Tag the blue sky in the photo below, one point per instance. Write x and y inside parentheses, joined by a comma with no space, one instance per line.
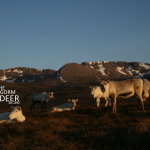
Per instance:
(46,34)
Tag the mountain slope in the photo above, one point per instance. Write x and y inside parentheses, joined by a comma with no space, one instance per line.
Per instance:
(119,70)
(75,72)
(23,74)
(79,72)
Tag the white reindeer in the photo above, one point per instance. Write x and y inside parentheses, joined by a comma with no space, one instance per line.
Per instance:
(14,116)
(97,93)
(123,89)
(41,98)
(64,107)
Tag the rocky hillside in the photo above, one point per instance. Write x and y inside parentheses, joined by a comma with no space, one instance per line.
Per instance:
(119,70)
(79,72)
(22,74)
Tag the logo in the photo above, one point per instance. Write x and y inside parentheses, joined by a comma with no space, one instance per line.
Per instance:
(8,96)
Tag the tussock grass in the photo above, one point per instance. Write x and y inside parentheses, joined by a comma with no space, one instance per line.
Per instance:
(85,128)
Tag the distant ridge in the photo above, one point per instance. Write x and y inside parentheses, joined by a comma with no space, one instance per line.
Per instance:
(24,74)
(118,70)
(73,72)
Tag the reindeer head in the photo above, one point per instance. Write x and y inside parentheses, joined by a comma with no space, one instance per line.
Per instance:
(96,91)
(73,101)
(103,83)
(15,113)
(51,95)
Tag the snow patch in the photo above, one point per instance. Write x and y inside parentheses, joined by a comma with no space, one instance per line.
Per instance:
(11,80)
(137,71)
(92,67)
(106,61)
(90,63)
(131,70)
(23,79)
(31,80)
(4,78)
(101,69)
(139,76)
(19,71)
(61,79)
(8,70)
(41,76)
(39,69)
(57,74)
(142,75)
(119,69)
(144,65)
(99,62)
(94,62)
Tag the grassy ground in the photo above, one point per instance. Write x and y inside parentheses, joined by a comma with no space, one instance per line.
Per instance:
(87,127)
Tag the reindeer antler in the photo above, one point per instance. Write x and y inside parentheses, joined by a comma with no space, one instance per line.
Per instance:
(107,75)
(95,75)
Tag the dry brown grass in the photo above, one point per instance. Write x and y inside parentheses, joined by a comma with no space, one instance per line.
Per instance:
(87,127)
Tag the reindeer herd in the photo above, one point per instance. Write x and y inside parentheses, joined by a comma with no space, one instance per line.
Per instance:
(109,90)
(140,88)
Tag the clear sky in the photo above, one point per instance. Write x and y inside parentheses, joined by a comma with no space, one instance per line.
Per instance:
(47,34)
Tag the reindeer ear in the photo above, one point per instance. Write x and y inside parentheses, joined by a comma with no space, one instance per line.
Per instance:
(69,100)
(108,81)
(19,108)
(76,100)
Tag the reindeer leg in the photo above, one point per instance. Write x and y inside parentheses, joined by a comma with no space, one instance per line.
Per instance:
(33,106)
(139,92)
(98,102)
(42,106)
(145,96)
(114,104)
(45,105)
(141,102)
(127,96)
(109,100)
(106,102)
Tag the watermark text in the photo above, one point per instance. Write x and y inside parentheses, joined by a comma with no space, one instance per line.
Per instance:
(12,98)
